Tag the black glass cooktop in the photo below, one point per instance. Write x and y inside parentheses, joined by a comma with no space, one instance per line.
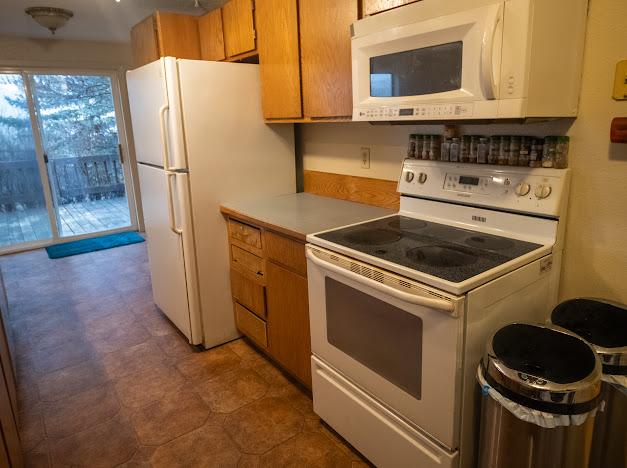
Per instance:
(447,252)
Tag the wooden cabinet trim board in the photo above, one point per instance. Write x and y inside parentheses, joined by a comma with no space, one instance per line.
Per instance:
(371,7)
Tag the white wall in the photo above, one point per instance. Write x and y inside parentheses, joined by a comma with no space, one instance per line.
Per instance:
(596,243)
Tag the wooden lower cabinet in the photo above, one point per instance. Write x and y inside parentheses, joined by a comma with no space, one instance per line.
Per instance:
(269,289)
(289,340)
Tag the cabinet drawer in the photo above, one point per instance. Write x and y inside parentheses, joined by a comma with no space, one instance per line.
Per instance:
(287,252)
(244,233)
(248,293)
(247,263)
(251,325)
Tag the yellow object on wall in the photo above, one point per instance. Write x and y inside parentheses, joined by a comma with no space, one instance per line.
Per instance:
(620,81)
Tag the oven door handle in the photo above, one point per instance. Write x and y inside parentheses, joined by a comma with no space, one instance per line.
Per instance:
(431,302)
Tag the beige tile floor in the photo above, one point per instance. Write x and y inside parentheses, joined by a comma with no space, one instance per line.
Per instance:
(105,380)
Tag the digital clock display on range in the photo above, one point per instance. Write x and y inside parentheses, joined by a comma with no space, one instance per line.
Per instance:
(468,180)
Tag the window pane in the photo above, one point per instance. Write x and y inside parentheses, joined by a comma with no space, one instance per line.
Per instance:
(23,213)
(80,137)
(415,72)
(384,338)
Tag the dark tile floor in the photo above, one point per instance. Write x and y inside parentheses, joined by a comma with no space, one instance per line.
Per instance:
(105,380)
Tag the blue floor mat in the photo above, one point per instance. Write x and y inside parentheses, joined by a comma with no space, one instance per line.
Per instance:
(91,245)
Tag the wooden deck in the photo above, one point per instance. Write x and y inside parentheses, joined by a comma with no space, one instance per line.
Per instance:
(20,226)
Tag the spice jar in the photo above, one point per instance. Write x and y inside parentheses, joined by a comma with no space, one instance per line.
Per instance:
(514,151)
(525,149)
(445,150)
(411,147)
(561,152)
(535,155)
(454,152)
(548,152)
(503,151)
(474,142)
(424,152)
(494,149)
(464,150)
(434,147)
(482,150)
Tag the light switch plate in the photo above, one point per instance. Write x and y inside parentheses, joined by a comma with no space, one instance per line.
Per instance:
(620,81)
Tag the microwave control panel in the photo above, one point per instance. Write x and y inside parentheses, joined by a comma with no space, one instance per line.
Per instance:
(419,112)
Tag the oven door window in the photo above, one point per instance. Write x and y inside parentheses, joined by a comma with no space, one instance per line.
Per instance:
(430,70)
(380,336)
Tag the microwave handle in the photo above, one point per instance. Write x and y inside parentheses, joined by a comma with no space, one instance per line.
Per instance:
(431,302)
(488,79)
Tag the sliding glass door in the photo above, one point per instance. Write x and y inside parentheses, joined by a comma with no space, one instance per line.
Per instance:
(60,135)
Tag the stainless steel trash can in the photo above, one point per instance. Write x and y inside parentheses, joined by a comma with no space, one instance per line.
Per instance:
(604,325)
(541,386)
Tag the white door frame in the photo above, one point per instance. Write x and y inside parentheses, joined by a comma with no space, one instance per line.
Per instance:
(123,138)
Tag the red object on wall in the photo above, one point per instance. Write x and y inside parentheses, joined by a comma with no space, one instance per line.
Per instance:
(618,130)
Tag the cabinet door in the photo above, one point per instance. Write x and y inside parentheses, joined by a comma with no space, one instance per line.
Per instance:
(277,43)
(144,42)
(239,28)
(325,48)
(371,7)
(178,35)
(211,36)
(288,321)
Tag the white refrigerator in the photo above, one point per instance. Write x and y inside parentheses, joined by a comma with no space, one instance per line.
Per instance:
(200,139)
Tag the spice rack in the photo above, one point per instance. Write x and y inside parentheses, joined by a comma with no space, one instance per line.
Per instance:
(502,150)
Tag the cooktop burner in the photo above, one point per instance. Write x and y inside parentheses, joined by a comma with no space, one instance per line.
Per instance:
(442,256)
(373,236)
(440,250)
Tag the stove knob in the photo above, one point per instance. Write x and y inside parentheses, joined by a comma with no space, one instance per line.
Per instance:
(523,189)
(422,178)
(542,191)
(409,176)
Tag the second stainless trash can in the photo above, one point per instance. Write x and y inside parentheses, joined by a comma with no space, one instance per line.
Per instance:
(541,387)
(604,325)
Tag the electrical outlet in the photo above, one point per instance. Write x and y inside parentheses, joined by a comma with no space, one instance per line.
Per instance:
(365,157)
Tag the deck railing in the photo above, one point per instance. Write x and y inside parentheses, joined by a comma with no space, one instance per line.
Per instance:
(72,179)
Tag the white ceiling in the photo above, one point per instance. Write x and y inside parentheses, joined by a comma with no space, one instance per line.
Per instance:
(96,20)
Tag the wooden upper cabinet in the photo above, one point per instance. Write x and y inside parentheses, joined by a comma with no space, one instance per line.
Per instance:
(370,7)
(177,35)
(325,48)
(211,36)
(165,35)
(144,42)
(277,31)
(239,27)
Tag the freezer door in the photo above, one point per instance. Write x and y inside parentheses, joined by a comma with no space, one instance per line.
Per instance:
(165,248)
(154,98)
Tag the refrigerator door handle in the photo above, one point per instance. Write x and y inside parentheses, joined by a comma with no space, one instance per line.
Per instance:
(164,137)
(171,214)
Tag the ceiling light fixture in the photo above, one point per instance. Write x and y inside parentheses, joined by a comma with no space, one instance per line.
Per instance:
(49,17)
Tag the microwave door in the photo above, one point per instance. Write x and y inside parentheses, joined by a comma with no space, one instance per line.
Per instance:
(448,59)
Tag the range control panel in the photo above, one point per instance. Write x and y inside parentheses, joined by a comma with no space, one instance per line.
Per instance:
(522,189)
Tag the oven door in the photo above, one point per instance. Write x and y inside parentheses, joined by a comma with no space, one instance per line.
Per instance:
(449,59)
(397,340)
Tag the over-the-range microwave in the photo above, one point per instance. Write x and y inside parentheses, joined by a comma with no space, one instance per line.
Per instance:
(469,59)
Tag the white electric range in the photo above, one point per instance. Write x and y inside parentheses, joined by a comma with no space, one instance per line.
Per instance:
(401,306)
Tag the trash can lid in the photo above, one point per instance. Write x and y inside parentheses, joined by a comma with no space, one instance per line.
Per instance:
(603,324)
(543,367)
